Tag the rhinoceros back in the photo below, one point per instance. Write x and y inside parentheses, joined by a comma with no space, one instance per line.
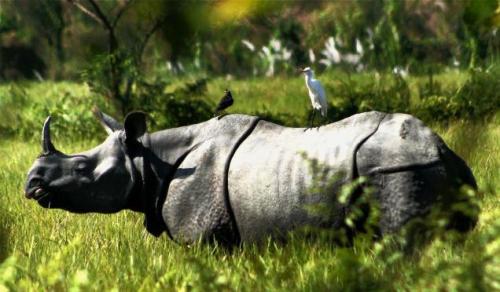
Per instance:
(271,182)
(247,178)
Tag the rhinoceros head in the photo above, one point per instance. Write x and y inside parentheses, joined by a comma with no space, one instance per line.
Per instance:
(98,180)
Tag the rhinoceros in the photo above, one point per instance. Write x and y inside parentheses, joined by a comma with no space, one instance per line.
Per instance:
(239,178)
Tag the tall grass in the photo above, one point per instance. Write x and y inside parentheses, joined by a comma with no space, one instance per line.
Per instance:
(53,250)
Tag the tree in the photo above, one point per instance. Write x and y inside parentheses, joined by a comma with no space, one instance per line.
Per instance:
(121,56)
(39,21)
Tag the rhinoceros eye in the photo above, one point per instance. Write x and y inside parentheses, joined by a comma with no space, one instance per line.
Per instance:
(81,166)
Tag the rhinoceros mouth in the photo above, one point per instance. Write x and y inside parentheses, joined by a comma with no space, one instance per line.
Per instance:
(37,193)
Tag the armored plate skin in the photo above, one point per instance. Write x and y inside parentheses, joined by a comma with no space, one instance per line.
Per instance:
(412,168)
(279,160)
(238,178)
(400,156)
(270,183)
(196,203)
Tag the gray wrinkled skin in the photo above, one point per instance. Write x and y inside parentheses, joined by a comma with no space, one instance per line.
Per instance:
(238,178)
(279,159)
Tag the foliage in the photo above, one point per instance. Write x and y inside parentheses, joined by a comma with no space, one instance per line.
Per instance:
(174,108)
(388,93)
(475,98)
(208,36)
(443,97)
(115,73)
(69,108)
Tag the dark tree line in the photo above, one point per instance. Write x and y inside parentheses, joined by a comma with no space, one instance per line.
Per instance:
(112,44)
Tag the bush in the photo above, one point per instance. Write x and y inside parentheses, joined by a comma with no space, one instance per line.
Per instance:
(384,92)
(26,107)
(70,107)
(479,96)
(175,108)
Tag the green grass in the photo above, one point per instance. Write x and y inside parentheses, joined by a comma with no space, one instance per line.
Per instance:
(54,250)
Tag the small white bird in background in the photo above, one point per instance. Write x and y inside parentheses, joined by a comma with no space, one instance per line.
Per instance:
(317,95)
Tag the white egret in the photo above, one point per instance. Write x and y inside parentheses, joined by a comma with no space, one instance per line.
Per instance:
(316,93)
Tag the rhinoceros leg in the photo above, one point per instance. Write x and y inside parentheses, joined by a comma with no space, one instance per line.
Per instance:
(406,194)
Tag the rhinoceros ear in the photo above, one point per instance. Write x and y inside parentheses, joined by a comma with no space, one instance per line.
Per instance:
(135,125)
(109,124)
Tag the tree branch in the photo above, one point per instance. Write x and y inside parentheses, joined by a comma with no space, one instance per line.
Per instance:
(86,11)
(121,11)
(101,15)
(145,41)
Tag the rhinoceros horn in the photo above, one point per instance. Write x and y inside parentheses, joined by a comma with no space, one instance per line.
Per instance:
(47,146)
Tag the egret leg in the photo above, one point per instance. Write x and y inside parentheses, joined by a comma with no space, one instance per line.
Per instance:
(309,117)
(312,119)
(324,119)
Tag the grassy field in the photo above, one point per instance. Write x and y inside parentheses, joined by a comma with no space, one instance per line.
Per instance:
(55,250)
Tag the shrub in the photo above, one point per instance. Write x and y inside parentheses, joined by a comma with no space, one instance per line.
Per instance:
(27,106)
(479,96)
(175,108)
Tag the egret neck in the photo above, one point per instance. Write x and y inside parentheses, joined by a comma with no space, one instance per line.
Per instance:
(308,77)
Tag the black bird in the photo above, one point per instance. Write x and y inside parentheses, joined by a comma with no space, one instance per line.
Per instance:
(225,102)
